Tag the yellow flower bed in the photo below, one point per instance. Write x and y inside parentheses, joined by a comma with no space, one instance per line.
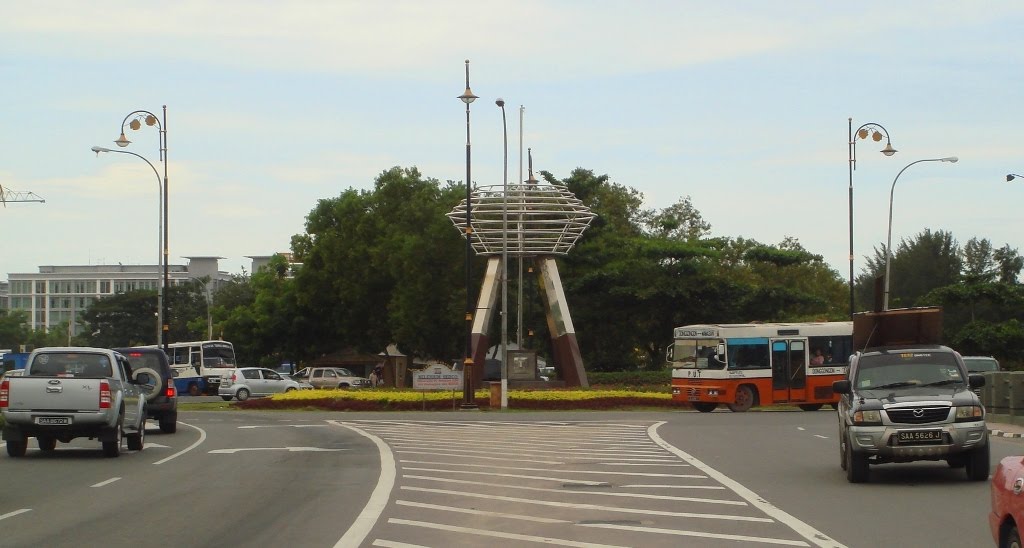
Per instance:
(396,395)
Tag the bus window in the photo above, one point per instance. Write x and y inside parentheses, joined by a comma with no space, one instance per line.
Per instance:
(835,348)
(748,354)
(696,354)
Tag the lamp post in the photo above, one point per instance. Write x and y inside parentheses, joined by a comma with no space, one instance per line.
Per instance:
(159,234)
(504,260)
(136,118)
(468,390)
(888,240)
(876,131)
(1012,176)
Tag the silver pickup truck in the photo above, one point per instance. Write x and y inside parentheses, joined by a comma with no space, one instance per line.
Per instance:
(74,392)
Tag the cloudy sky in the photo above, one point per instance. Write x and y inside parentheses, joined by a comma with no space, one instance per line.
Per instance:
(741,105)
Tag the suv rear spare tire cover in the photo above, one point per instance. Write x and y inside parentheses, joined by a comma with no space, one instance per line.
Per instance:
(151,390)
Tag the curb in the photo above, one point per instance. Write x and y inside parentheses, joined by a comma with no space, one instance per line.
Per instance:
(1005,434)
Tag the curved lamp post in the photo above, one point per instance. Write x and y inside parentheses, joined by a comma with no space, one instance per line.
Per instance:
(1012,176)
(468,389)
(134,121)
(159,235)
(504,261)
(876,131)
(888,241)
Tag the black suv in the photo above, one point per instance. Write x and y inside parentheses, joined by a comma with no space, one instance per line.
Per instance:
(161,397)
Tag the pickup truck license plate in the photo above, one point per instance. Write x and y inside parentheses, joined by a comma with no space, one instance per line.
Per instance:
(919,436)
(53,421)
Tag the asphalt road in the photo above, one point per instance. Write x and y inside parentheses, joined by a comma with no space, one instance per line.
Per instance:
(232,478)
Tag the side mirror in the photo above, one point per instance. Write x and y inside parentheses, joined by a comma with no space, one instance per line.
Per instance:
(976,381)
(721,353)
(841,387)
(668,352)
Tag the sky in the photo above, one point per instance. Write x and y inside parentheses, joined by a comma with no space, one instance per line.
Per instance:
(742,106)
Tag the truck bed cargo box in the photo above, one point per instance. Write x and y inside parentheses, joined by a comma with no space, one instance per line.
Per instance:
(901,326)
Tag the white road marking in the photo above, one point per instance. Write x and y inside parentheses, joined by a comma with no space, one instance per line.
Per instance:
(107,482)
(202,438)
(289,449)
(638,464)
(459,455)
(498,534)
(14,513)
(587,455)
(587,493)
(280,425)
(378,499)
(478,512)
(154,446)
(520,476)
(460,466)
(820,436)
(801,428)
(393,544)
(805,530)
(663,486)
(744,538)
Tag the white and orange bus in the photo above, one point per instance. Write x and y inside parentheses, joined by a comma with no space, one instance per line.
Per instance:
(743,365)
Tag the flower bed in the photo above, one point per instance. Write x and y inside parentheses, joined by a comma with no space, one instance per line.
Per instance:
(410,400)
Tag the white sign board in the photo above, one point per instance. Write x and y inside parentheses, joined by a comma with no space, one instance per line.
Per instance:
(437,377)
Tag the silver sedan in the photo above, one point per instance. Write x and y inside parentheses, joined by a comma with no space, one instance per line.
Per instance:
(245,382)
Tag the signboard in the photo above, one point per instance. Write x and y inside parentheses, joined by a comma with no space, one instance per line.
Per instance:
(437,377)
(522,365)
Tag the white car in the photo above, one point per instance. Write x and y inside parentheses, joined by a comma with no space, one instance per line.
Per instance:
(245,382)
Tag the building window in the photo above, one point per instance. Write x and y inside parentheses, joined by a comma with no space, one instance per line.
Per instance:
(40,287)
(104,286)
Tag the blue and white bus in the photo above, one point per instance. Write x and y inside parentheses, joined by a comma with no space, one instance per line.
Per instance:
(199,365)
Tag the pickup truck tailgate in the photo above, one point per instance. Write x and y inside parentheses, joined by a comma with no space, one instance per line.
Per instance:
(54,394)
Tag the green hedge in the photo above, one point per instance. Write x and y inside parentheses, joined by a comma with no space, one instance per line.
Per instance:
(650,380)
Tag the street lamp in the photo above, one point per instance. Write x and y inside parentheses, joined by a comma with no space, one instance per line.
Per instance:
(159,234)
(888,241)
(134,121)
(1012,176)
(504,261)
(468,390)
(876,131)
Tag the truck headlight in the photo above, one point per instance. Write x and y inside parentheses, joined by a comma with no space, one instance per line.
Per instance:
(867,418)
(969,413)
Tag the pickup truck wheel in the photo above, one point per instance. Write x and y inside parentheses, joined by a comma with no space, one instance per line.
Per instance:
(842,452)
(47,443)
(226,398)
(705,406)
(242,394)
(137,441)
(744,399)
(16,448)
(856,465)
(112,449)
(978,462)
(169,423)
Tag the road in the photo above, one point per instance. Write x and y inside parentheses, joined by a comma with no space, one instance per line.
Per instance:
(592,479)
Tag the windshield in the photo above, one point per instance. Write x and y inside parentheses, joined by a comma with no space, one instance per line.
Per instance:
(904,370)
(696,353)
(218,355)
(980,365)
(71,364)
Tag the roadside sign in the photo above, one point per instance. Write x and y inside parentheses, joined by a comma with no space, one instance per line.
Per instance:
(437,377)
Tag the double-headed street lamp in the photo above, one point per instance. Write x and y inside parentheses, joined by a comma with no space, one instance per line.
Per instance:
(468,389)
(134,121)
(1012,176)
(888,241)
(159,235)
(876,131)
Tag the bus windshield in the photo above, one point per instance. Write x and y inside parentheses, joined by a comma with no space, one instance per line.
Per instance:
(696,354)
(220,355)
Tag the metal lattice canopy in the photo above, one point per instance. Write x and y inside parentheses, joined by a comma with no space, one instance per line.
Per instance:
(543,219)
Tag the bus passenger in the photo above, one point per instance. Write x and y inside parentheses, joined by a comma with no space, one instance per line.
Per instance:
(818,358)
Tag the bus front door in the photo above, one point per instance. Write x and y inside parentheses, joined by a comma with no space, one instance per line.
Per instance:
(789,370)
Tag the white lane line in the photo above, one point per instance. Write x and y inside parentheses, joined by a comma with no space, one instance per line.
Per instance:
(498,534)
(393,544)
(820,436)
(565,445)
(378,499)
(520,476)
(478,512)
(658,456)
(284,425)
(107,482)
(805,530)
(640,464)
(663,486)
(154,446)
(477,457)
(701,534)
(289,449)
(587,493)
(801,428)
(460,466)
(586,506)
(14,513)
(202,438)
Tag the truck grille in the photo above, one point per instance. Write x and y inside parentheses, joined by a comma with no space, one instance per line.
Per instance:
(918,415)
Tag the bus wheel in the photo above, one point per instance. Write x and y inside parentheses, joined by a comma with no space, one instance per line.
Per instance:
(193,389)
(810,406)
(704,406)
(744,399)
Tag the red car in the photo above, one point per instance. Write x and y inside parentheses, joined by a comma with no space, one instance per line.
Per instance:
(1007,516)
